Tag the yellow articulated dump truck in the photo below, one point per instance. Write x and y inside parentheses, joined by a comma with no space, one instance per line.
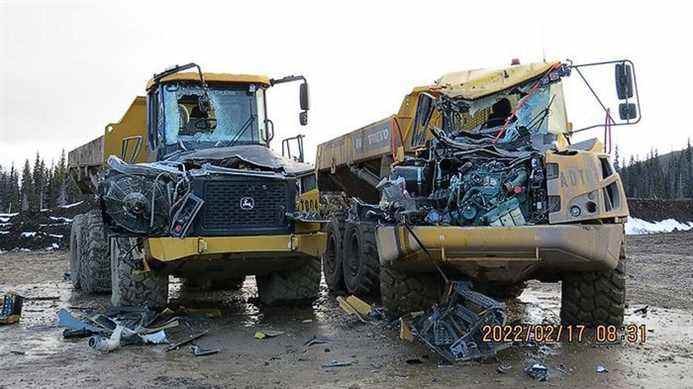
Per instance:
(478,178)
(187,185)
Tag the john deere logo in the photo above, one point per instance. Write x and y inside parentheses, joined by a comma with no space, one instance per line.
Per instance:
(247,203)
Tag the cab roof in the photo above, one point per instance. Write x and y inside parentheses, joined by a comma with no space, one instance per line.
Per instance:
(473,84)
(215,78)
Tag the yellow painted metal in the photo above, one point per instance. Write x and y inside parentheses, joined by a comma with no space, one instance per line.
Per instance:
(216,78)
(308,202)
(473,84)
(170,249)
(132,125)
(583,182)
(597,245)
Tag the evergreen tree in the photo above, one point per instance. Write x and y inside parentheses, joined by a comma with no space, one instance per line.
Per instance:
(28,195)
(39,179)
(13,191)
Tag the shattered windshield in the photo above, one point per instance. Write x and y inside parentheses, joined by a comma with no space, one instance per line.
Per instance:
(232,115)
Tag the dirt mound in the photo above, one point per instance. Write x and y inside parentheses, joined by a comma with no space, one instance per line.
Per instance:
(657,210)
(38,230)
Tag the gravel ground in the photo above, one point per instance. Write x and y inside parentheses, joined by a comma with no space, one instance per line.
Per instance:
(33,353)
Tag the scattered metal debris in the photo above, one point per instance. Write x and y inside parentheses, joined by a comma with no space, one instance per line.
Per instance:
(316,340)
(267,334)
(186,341)
(642,310)
(454,328)
(200,352)
(503,368)
(538,371)
(104,344)
(11,310)
(336,363)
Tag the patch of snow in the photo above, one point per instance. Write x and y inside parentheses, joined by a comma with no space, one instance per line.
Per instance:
(60,219)
(4,219)
(635,226)
(4,232)
(30,234)
(24,250)
(53,246)
(71,205)
(8,214)
(56,236)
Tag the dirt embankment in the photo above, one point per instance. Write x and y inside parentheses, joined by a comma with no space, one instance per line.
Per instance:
(656,210)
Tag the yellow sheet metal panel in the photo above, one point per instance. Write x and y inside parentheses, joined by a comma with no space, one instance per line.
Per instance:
(368,142)
(211,78)
(88,154)
(585,180)
(169,249)
(449,244)
(132,125)
(473,84)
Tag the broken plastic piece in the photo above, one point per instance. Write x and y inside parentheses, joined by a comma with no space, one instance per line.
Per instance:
(11,309)
(65,319)
(158,337)
(602,369)
(186,341)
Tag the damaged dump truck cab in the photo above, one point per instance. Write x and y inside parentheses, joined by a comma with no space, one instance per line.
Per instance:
(187,185)
(478,178)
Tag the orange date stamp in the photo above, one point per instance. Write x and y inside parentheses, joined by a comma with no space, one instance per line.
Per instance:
(549,333)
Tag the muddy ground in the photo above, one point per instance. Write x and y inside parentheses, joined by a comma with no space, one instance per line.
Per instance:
(33,353)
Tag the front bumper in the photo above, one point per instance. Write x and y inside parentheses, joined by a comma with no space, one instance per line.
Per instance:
(171,249)
(506,254)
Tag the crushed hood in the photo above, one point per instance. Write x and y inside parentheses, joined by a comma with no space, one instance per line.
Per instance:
(259,156)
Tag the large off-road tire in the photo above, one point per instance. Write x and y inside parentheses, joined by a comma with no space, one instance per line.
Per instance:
(360,262)
(594,298)
(75,244)
(95,263)
(403,293)
(300,285)
(131,285)
(332,258)
(501,292)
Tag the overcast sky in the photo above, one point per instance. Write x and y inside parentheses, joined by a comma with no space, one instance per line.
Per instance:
(70,67)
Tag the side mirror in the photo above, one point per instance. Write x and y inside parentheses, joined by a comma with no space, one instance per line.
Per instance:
(627,111)
(305,101)
(624,81)
(269,131)
(303,118)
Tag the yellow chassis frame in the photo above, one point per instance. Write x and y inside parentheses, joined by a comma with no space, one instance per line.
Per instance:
(171,249)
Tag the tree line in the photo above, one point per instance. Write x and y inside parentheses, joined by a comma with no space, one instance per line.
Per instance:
(668,176)
(37,186)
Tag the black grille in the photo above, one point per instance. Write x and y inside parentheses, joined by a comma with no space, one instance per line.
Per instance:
(243,204)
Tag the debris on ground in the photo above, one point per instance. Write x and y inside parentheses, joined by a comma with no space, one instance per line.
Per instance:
(336,363)
(602,369)
(316,340)
(11,310)
(200,352)
(123,326)
(454,328)
(267,334)
(503,368)
(104,344)
(353,305)
(191,339)
(538,371)
(642,310)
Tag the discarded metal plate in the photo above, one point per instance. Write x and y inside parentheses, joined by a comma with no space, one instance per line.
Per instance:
(355,306)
